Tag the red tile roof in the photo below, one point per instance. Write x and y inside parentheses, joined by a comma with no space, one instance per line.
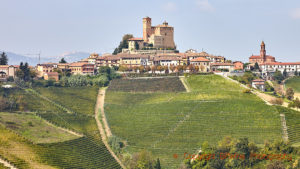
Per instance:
(258,57)
(282,63)
(200,59)
(79,64)
(258,80)
(222,64)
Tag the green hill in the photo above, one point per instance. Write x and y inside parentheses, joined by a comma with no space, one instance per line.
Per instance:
(293,83)
(168,123)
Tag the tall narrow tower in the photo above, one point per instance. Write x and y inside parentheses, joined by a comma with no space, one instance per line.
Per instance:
(263,50)
(146,28)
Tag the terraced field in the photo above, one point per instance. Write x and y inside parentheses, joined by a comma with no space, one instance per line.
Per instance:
(84,152)
(171,123)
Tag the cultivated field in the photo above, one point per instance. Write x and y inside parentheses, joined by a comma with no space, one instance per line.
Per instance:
(293,83)
(84,152)
(170,84)
(168,123)
(34,128)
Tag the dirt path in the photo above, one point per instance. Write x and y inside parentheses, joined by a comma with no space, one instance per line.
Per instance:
(100,109)
(183,80)
(265,97)
(7,164)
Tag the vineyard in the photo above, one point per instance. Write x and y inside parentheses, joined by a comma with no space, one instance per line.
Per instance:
(168,123)
(293,124)
(293,83)
(84,152)
(169,84)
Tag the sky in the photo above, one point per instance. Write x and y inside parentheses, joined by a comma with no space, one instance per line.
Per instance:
(231,28)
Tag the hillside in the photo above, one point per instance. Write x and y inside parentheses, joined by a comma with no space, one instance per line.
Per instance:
(87,151)
(168,123)
(293,83)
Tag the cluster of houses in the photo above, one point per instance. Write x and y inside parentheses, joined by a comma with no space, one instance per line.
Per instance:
(90,65)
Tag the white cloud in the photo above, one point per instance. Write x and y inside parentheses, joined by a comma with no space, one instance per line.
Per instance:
(204,5)
(170,7)
(295,13)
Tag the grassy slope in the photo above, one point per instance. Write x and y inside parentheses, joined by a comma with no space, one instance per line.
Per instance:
(85,152)
(174,123)
(293,83)
(34,128)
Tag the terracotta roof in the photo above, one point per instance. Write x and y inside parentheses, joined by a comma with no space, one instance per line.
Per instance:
(200,59)
(124,55)
(136,39)
(77,64)
(112,57)
(173,58)
(52,73)
(4,66)
(222,64)
(258,80)
(258,57)
(282,63)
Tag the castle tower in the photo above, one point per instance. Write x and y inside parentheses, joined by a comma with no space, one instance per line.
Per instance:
(146,28)
(263,50)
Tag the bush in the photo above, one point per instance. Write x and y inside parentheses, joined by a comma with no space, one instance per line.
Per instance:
(116,144)
(100,81)
(247,91)
(277,101)
(295,103)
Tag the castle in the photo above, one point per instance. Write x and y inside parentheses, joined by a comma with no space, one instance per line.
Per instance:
(158,37)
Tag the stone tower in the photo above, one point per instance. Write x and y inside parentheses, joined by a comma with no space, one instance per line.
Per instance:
(263,50)
(147,31)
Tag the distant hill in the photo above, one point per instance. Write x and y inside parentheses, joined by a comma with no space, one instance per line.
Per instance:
(15,59)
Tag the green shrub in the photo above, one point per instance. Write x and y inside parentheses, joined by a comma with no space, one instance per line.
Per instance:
(247,91)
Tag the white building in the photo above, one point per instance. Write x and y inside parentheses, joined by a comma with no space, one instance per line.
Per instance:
(290,67)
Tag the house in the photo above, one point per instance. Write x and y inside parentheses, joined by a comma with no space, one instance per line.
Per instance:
(45,68)
(7,71)
(51,75)
(112,60)
(134,60)
(93,58)
(259,84)
(238,65)
(82,68)
(222,67)
(167,60)
(202,63)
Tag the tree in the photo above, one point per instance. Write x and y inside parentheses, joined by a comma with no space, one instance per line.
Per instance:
(296,73)
(157,164)
(142,160)
(62,60)
(295,103)
(290,93)
(3,59)
(123,44)
(256,66)
(24,72)
(141,69)
(278,76)
(284,73)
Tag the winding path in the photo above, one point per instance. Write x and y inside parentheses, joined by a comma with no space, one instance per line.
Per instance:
(99,110)
(7,164)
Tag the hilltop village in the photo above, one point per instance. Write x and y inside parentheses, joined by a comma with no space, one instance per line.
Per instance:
(156,53)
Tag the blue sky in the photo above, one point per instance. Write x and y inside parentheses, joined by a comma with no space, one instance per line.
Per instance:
(232,28)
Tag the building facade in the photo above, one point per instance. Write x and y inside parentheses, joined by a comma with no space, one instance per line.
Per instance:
(263,57)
